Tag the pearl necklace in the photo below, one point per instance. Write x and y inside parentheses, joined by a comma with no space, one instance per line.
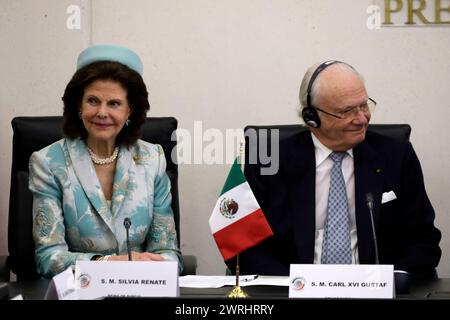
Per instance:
(101,161)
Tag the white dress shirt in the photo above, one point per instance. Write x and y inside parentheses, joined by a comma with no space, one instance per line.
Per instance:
(323,172)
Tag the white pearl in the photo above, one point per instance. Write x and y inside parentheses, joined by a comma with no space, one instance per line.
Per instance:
(101,161)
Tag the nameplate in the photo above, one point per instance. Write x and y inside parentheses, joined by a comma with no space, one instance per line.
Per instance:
(119,279)
(62,287)
(341,281)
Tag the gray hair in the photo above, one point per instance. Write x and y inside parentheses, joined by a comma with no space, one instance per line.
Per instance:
(315,88)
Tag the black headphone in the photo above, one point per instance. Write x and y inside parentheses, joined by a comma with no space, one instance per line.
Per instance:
(309,113)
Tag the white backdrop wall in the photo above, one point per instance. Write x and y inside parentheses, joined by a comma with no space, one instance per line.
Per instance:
(229,64)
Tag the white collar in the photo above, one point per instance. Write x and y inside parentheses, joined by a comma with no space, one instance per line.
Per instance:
(322,152)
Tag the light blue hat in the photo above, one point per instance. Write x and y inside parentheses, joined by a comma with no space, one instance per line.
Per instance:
(110,52)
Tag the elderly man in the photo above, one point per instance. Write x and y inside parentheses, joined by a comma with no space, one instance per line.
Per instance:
(318,202)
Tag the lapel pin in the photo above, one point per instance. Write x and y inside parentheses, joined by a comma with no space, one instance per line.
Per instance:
(378,170)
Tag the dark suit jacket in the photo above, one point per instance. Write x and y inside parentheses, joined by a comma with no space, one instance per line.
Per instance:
(406,234)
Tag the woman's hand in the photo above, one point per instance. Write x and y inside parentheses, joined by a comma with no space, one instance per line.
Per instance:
(138,256)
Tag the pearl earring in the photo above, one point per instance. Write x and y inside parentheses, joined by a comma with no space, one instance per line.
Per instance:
(127,123)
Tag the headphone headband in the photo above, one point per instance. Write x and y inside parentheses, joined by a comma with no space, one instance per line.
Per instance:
(309,113)
(316,72)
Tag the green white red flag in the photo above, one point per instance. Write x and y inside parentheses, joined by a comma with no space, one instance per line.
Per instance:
(237,222)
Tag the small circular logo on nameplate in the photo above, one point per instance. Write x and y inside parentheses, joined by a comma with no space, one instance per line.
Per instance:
(84,280)
(298,283)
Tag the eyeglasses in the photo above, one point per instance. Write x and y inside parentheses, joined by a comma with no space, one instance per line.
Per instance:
(349,112)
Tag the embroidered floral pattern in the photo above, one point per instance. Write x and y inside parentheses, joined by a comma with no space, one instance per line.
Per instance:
(72,220)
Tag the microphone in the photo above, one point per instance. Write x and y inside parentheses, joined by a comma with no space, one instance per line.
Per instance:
(127,224)
(402,279)
(369,202)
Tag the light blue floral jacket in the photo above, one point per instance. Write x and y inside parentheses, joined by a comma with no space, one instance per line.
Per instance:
(71,218)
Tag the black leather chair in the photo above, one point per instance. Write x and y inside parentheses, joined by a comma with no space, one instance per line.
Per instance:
(260,136)
(34,133)
(253,135)
(397,131)
(254,141)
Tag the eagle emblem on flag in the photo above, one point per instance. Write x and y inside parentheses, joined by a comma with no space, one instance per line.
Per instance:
(228,208)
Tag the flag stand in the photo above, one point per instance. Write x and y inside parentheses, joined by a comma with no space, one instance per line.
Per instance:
(237,291)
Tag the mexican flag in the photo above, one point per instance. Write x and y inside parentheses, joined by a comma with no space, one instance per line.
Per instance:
(237,222)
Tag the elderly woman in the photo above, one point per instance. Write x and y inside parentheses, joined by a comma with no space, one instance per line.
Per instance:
(85,185)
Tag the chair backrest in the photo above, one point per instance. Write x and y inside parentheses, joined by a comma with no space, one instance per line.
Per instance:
(34,133)
(252,146)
